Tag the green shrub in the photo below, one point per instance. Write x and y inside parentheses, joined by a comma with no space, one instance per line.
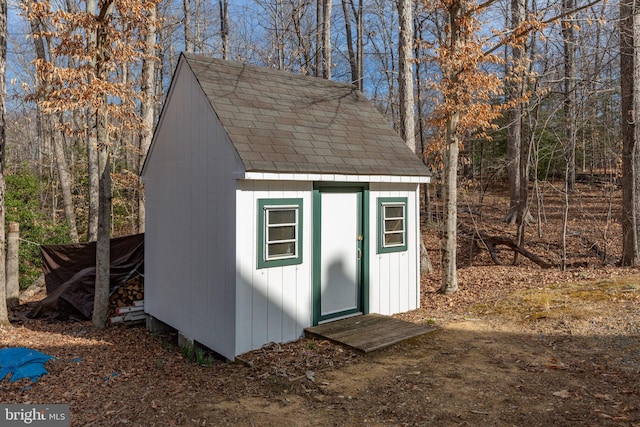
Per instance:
(23,205)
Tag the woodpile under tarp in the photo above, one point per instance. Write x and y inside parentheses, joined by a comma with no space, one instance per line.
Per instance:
(128,293)
(70,272)
(127,301)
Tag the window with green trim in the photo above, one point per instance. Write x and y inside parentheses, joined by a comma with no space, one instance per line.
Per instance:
(392,224)
(279,232)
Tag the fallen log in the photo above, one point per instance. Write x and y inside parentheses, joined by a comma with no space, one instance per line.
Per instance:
(491,243)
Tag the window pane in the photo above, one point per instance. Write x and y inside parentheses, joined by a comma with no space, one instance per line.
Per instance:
(282,216)
(393,212)
(394,239)
(393,225)
(279,237)
(277,250)
(282,233)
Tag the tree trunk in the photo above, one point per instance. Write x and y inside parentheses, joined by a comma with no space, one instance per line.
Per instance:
(12,272)
(418,29)
(405,75)
(197,27)
(92,152)
(630,103)
(65,184)
(419,85)
(565,222)
(425,262)
(93,181)
(103,256)
(224,28)
(452,149)
(279,44)
(349,34)
(514,134)
(570,98)
(4,316)
(188,36)
(450,211)
(318,50)
(360,46)
(147,107)
(326,39)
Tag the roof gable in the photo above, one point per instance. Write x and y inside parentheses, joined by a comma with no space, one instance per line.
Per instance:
(285,123)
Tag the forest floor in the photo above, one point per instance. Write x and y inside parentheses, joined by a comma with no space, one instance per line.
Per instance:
(516,345)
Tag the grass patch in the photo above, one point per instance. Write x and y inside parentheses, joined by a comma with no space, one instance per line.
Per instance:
(578,300)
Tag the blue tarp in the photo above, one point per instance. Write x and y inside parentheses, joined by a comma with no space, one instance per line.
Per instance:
(21,363)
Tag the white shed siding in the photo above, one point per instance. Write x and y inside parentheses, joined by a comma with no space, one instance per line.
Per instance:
(394,278)
(190,238)
(272,304)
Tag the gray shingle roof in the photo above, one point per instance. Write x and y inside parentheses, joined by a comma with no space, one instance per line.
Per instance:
(286,123)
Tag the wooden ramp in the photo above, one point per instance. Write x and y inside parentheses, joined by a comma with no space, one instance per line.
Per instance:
(368,332)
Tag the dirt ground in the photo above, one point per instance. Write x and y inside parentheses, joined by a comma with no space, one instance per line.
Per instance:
(517,345)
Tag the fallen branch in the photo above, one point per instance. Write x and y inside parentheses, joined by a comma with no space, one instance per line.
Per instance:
(491,243)
(602,255)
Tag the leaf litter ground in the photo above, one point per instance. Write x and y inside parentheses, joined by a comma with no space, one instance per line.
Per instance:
(517,345)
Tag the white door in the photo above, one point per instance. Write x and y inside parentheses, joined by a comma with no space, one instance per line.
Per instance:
(340,255)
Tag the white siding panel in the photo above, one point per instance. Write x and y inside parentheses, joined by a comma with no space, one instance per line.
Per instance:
(275,309)
(190,238)
(394,277)
(395,283)
(245,233)
(277,300)
(384,277)
(404,276)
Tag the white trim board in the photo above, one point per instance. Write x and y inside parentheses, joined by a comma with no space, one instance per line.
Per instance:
(271,176)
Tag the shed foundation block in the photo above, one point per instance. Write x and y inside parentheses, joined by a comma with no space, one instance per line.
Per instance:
(156,326)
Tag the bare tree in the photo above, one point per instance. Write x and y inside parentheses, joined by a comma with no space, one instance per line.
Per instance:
(456,11)
(570,96)
(103,243)
(358,12)
(382,27)
(405,75)
(92,146)
(353,12)
(188,33)
(111,97)
(147,105)
(49,131)
(630,94)
(353,65)
(4,318)
(326,39)
(290,29)
(224,27)
(467,88)
(514,133)
(319,26)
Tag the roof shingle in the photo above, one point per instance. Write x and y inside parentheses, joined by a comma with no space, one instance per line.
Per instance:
(286,123)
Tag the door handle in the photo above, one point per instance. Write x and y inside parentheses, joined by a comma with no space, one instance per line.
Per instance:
(359,253)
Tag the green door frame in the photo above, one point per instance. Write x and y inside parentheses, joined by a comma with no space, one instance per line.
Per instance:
(363,224)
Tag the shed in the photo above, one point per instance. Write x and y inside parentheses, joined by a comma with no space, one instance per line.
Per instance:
(275,202)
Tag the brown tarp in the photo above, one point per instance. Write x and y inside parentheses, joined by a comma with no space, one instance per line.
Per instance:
(70,274)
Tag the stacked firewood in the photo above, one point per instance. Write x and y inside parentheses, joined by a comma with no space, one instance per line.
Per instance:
(129,292)
(127,302)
